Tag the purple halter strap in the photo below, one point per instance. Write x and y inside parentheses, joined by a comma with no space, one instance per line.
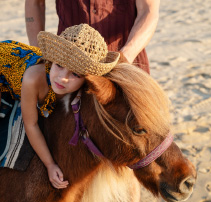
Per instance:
(153,155)
(81,131)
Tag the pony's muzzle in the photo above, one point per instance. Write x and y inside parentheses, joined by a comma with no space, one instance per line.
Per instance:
(183,192)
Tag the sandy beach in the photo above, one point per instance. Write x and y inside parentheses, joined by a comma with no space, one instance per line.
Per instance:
(180,60)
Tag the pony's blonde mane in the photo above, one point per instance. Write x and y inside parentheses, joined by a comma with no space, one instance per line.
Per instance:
(147,101)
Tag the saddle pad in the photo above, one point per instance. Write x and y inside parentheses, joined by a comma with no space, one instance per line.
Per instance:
(18,151)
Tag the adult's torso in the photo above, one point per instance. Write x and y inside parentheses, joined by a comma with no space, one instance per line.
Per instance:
(112,18)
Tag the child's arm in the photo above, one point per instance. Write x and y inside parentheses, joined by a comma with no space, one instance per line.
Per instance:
(29,98)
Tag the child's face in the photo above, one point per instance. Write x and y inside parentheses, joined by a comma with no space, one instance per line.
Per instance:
(64,81)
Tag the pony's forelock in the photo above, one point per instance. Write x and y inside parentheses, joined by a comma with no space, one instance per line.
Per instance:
(147,100)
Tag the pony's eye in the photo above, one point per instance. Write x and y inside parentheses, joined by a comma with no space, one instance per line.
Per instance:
(76,75)
(138,130)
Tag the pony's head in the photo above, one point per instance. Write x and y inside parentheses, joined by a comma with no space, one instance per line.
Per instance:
(134,110)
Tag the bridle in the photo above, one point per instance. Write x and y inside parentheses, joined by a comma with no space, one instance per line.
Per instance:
(82,133)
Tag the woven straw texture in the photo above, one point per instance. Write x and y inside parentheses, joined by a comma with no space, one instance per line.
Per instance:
(79,48)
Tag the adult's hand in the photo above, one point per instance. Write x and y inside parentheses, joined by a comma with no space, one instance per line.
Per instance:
(143,28)
(122,58)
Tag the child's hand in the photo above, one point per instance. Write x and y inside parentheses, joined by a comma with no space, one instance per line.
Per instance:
(56,176)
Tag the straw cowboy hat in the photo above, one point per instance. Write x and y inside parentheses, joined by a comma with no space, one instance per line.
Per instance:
(79,48)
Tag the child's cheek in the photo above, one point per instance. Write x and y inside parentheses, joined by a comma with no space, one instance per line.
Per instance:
(51,76)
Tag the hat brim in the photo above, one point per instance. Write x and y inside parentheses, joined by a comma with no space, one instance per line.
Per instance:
(65,53)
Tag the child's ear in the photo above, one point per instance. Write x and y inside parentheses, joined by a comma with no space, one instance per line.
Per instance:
(101,87)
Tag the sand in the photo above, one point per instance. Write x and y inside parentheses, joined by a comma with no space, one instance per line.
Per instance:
(180,60)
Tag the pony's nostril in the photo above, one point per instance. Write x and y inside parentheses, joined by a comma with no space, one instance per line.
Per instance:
(187,184)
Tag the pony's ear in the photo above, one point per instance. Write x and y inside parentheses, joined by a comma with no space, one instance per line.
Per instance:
(101,87)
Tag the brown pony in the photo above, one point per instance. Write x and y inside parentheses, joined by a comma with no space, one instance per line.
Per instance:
(127,115)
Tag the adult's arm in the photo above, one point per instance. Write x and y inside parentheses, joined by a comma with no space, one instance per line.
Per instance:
(35,19)
(143,28)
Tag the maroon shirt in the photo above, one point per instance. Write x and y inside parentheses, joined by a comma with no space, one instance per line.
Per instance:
(112,18)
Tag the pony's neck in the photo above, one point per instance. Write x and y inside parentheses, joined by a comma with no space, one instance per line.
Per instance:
(76,162)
